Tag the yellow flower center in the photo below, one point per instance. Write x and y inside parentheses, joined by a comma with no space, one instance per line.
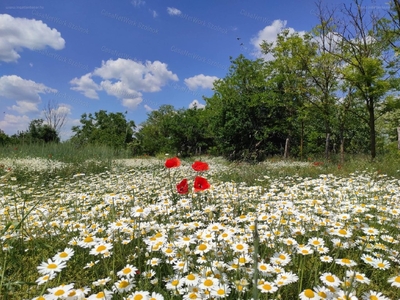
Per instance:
(51,266)
(309,293)
(175,282)
(126,270)
(322,295)
(239,247)
(208,282)
(267,287)
(202,247)
(59,292)
(191,277)
(101,248)
(138,297)
(343,231)
(88,239)
(346,260)
(330,278)
(123,284)
(100,295)
(221,292)
(63,254)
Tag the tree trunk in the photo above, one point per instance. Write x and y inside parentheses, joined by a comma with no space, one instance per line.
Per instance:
(328,136)
(372,133)
(286,154)
(342,150)
(398,138)
(301,140)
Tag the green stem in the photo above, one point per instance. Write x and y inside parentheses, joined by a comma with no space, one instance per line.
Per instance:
(256,240)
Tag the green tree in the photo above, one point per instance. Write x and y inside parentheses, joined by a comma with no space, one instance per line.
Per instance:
(39,131)
(190,132)
(110,129)
(4,138)
(369,67)
(289,82)
(245,120)
(154,135)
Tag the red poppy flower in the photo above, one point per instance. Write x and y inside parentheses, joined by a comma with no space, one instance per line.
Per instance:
(200,184)
(182,187)
(200,166)
(172,162)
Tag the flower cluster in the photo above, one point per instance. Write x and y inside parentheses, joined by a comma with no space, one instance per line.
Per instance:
(200,183)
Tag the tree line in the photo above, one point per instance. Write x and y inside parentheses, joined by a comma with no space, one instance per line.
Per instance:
(331,90)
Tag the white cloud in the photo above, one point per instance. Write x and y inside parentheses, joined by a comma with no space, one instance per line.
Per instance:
(24,107)
(24,92)
(173,11)
(138,3)
(19,33)
(154,13)
(66,131)
(197,104)
(125,79)
(86,85)
(201,80)
(269,34)
(148,108)
(11,124)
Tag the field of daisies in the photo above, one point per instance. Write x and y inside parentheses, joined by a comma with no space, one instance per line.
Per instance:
(173,229)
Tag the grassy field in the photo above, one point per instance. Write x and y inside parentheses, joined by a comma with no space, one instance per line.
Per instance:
(84,225)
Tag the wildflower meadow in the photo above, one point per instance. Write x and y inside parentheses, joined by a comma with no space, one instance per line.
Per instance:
(177,229)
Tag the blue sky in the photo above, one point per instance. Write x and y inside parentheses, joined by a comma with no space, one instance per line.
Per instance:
(128,55)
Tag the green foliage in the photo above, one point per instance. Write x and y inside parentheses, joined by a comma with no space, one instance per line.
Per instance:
(245,120)
(102,128)
(4,138)
(167,130)
(38,132)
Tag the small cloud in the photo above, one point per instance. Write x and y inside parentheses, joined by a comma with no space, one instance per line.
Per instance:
(154,13)
(138,3)
(148,108)
(173,11)
(196,104)
(270,34)
(31,64)
(201,80)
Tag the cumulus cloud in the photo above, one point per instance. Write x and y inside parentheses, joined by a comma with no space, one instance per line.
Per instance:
(125,79)
(19,33)
(201,80)
(269,34)
(197,104)
(13,123)
(86,86)
(173,11)
(25,93)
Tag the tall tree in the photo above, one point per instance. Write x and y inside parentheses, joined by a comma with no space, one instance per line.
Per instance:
(365,53)
(288,80)
(154,135)
(55,115)
(111,129)
(245,120)
(4,138)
